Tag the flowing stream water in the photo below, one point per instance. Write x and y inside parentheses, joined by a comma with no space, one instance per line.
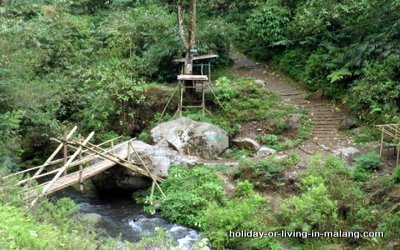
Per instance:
(121,216)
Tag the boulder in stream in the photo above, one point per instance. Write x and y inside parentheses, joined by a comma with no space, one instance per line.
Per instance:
(191,137)
(157,159)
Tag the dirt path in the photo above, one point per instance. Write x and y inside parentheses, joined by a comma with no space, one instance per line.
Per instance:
(325,117)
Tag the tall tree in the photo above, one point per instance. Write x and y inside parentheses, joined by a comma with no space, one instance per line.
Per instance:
(188,41)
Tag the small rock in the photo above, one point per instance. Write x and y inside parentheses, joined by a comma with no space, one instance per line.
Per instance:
(317,95)
(294,121)
(93,217)
(247,143)
(347,123)
(260,82)
(346,153)
(265,151)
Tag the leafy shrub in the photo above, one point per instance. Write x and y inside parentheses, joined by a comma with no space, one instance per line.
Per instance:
(238,214)
(244,188)
(263,174)
(312,210)
(188,193)
(268,23)
(224,89)
(369,161)
(268,140)
(391,225)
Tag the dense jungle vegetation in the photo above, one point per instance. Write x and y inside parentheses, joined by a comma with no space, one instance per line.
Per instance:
(103,65)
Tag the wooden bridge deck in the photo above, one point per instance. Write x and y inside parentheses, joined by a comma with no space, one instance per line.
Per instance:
(73,178)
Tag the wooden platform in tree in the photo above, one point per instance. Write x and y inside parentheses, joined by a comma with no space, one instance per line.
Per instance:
(192,78)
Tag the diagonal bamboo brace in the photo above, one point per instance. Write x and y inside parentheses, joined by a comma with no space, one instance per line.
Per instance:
(62,169)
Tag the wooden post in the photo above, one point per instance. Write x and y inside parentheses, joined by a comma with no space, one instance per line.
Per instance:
(203,97)
(381,142)
(47,162)
(398,154)
(65,151)
(209,73)
(80,167)
(181,99)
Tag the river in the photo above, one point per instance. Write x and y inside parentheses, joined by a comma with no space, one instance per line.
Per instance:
(121,216)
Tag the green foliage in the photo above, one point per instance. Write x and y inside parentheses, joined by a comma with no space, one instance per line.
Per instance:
(369,161)
(378,101)
(268,23)
(224,89)
(263,174)
(343,48)
(144,136)
(10,149)
(391,226)
(396,174)
(22,231)
(244,188)
(269,140)
(238,214)
(312,210)
(188,193)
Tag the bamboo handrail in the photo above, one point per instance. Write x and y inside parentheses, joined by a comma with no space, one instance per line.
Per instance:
(56,151)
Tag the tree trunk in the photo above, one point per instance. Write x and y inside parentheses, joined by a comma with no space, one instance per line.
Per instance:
(190,42)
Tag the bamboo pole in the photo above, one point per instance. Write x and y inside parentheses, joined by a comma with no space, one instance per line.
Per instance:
(181,99)
(62,169)
(80,168)
(118,160)
(84,160)
(152,193)
(147,169)
(382,135)
(169,100)
(65,151)
(55,152)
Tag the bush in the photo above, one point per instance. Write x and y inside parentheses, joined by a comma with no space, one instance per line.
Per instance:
(263,174)
(236,215)
(244,188)
(312,210)
(369,161)
(188,193)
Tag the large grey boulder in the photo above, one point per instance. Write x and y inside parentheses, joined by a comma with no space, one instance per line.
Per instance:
(247,143)
(157,159)
(191,137)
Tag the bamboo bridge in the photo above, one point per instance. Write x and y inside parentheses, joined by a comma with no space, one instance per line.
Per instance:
(87,161)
